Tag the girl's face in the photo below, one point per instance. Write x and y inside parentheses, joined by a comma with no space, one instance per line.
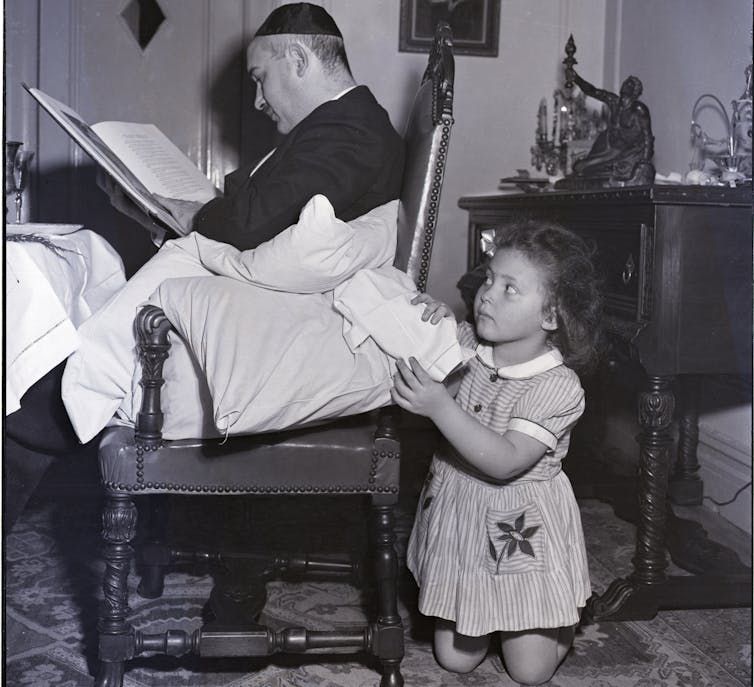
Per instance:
(509,308)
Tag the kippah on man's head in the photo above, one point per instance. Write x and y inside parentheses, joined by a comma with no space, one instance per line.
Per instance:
(299,18)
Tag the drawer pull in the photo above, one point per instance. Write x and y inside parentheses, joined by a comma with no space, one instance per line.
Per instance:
(628,269)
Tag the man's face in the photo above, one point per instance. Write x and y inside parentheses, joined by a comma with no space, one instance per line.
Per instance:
(273,76)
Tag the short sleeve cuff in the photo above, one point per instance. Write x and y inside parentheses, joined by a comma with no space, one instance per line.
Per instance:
(535,431)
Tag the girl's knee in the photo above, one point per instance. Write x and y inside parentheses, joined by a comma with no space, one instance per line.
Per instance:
(532,657)
(456,662)
(531,674)
(456,652)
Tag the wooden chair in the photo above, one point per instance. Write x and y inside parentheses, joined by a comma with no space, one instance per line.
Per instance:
(357,455)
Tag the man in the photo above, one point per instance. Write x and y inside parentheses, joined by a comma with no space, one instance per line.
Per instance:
(338,141)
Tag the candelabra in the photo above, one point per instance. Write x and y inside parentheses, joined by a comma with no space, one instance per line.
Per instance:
(731,155)
(572,125)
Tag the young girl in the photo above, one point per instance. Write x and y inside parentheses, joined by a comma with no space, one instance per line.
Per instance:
(497,544)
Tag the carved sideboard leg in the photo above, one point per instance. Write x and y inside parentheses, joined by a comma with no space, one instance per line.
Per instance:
(656,406)
(686,488)
(388,635)
(636,597)
(116,635)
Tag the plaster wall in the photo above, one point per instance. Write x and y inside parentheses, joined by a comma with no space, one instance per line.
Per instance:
(681,49)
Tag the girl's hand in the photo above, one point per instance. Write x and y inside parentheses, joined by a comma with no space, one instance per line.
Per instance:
(414,390)
(434,310)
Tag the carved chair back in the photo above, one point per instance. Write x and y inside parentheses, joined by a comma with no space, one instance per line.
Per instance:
(427,135)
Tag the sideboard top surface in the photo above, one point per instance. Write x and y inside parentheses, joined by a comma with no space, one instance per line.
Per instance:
(740,196)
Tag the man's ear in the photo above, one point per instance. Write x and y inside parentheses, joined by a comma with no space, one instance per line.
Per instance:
(550,319)
(299,58)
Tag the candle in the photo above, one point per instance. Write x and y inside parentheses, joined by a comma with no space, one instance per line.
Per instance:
(542,120)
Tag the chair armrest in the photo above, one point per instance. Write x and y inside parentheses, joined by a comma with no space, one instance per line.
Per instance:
(152,327)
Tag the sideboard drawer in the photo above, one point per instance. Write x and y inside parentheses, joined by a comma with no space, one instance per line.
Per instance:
(676,261)
(623,241)
(624,256)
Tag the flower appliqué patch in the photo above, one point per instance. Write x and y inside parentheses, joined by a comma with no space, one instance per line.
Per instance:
(515,541)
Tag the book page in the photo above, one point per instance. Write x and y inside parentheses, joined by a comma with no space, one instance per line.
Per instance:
(73,124)
(156,161)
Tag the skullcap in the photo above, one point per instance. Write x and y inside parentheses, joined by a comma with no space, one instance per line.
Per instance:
(301,18)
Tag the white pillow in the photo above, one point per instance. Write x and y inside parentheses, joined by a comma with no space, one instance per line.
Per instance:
(272,360)
(313,256)
(97,377)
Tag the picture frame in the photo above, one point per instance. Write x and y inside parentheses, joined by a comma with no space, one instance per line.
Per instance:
(475,25)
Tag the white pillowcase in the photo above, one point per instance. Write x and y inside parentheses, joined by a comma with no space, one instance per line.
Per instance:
(272,360)
(377,304)
(313,256)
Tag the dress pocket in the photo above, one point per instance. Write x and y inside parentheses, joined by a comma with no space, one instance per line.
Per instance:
(516,541)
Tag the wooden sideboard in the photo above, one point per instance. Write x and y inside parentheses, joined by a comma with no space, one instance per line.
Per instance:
(677,264)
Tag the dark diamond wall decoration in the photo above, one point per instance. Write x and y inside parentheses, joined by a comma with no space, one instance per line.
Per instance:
(143,18)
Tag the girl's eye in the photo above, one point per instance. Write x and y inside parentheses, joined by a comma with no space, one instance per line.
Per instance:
(509,288)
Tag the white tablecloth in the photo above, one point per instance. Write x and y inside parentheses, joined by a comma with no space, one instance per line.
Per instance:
(51,286)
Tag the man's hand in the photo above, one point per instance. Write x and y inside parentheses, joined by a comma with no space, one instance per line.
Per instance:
(414,390)
(120,201)
(184,211)
(434,310)
(123,204)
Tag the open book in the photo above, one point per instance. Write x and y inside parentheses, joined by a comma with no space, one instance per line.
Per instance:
(140,158)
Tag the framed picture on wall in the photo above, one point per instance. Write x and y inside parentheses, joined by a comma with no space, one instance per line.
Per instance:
(475,25)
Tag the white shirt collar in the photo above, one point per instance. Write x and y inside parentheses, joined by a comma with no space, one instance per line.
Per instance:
(530,368)
(343,92)
(266,157)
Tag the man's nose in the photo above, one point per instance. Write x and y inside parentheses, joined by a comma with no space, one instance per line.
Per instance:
(259,101)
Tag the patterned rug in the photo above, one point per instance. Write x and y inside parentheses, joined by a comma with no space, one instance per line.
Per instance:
(53,577)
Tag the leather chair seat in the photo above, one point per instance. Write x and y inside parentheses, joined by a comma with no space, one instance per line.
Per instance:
(300,462)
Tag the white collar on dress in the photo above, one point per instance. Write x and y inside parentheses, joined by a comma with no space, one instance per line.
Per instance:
(530,368)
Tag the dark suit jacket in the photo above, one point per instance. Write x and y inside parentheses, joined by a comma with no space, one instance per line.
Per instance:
(346,149)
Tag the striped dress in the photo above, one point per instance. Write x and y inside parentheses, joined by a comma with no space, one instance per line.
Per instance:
(504,556)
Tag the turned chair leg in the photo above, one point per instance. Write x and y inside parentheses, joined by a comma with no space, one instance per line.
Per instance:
(116,635)
(388,642)
(154,555)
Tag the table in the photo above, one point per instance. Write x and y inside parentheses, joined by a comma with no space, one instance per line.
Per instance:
(678,272)
(56,276)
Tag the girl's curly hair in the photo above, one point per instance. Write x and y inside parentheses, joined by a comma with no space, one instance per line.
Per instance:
(573,285)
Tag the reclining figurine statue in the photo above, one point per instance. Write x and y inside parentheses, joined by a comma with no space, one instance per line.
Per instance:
(621,154)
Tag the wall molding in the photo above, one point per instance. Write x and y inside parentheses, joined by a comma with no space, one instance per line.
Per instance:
(725,444)
(21,111)
(723,477)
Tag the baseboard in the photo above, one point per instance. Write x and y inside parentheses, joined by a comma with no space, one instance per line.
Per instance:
(724,472)
(724,460)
